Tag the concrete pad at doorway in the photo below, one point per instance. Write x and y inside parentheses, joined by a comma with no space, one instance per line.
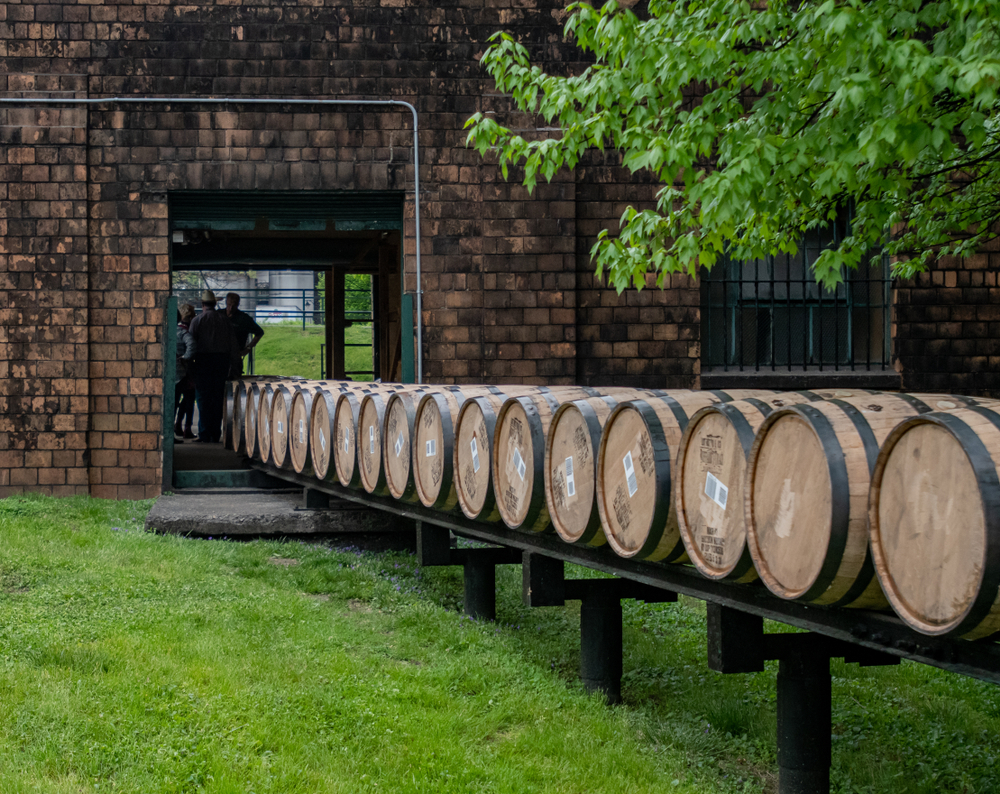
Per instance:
(249,513)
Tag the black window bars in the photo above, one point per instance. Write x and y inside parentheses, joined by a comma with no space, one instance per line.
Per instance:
(771,314)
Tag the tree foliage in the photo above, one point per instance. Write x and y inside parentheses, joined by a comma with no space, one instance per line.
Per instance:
(761,120)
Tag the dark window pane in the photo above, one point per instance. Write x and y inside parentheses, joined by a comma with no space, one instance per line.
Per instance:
(771,312)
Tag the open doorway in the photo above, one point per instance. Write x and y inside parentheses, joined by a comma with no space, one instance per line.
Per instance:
(320,274)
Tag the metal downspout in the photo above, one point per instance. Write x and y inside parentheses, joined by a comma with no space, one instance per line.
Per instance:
(135,100)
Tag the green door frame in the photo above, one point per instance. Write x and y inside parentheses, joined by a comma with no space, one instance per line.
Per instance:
(169,379)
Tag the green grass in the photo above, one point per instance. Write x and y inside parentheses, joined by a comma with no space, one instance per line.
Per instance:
(288,350)
(136,663)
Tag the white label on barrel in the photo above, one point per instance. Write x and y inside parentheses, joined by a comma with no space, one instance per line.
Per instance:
(399,444)
(716,491)
(281,432)
(431,448)
(475,455)
(570,481)
(519,463)
(371,440)
(347,439)
(302,431)
(322,441)
(633,486)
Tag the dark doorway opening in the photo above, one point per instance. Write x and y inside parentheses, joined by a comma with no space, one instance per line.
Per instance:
(321,275)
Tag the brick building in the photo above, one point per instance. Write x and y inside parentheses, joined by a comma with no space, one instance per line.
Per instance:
(99,202)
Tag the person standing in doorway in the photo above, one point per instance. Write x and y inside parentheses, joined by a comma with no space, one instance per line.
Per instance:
(215,345)
(185,389)
(247,332)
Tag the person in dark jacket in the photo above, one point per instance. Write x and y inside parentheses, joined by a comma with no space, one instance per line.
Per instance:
(185,389)
(248,333)
(215,346)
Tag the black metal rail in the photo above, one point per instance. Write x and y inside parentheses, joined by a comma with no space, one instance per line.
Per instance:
(875,631)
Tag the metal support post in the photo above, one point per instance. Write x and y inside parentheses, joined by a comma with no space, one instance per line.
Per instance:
(480,577)
(737,644)
(433,545)
(804,711)
(479,567)
(543,583)
(315,500)
(601,640)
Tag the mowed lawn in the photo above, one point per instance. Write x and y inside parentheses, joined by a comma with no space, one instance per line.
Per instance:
(137,663)
(289,350)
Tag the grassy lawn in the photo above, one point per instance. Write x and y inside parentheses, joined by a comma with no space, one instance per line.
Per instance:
(287,349)
(137,663)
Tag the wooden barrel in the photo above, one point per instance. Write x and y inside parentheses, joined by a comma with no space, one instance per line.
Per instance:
(300,427)
(324,448)
(934,511)
(434,446)
(370,427)
(518,455)
(474,430)
(571,447)
(255,388)
(237,420)
(264,436)
(250,435)
(320,436)
(281,407)
(345,434)
(228,415)
(637,454)
(806,506)
(397,438)
(711,466)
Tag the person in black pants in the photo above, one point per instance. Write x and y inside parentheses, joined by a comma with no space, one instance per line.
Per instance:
(185,389)
(215,346)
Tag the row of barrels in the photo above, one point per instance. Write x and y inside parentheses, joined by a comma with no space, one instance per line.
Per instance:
(845,498)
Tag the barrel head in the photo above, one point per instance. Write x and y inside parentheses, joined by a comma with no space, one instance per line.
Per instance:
(472,459)
(570,467)
(791,503)
(429,453)
(627,483)
(513,456)
(931,540)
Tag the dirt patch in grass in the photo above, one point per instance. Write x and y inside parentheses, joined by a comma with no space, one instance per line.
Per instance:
(283,562)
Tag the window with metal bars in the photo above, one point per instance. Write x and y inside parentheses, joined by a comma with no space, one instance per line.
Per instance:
(771,314)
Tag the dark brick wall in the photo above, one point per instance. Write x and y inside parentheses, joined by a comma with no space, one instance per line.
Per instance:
(946,328)
(509,292)
(84,263)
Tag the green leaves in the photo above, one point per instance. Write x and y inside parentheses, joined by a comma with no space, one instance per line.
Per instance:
(760,122)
